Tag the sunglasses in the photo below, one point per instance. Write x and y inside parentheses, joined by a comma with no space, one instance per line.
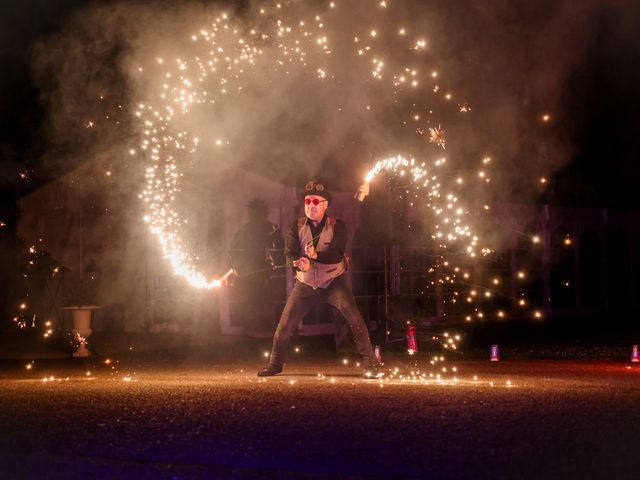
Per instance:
(315,201)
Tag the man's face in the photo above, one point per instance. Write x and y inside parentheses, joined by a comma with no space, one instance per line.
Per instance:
(314,207)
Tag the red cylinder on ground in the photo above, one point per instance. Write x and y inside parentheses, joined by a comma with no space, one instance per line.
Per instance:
(412,339)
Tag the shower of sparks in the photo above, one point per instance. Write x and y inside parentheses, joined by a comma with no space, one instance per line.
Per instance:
(178,93)
(447,207)
(437,136)
(214,71)
(222,58)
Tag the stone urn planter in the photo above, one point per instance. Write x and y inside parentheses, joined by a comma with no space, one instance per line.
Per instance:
(82,326)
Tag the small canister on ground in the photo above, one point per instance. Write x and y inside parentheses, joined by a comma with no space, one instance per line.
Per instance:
(494,353)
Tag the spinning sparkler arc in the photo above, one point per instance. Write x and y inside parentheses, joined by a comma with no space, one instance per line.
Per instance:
(215,66)
(449,216)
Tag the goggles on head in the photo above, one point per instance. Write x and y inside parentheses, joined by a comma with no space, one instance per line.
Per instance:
(313,185)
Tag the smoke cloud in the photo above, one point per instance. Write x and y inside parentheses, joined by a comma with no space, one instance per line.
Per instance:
(487,73)
(509,61)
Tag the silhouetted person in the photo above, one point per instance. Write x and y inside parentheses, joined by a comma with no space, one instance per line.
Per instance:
(252,252)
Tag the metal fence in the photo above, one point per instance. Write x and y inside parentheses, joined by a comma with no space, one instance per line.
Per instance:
(393,284)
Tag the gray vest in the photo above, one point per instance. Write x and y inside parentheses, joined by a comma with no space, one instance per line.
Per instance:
(319,275)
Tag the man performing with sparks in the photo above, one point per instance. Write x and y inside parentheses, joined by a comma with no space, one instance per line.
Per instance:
(315,246)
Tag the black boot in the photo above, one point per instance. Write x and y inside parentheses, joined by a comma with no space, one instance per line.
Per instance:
(270,370)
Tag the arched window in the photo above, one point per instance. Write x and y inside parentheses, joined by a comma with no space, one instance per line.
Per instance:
(590,268)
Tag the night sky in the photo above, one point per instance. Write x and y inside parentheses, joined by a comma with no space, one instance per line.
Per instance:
(596,113)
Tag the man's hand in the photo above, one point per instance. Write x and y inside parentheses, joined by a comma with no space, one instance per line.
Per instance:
(228,278)
(302,263)
(310,251)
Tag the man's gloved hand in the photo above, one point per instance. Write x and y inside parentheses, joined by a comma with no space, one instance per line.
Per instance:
(310,251)
(302,263)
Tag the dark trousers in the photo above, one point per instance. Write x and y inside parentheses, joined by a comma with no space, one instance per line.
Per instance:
(342,334)
(303,298)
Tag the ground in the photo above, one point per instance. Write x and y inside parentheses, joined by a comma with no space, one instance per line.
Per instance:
(213,418)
